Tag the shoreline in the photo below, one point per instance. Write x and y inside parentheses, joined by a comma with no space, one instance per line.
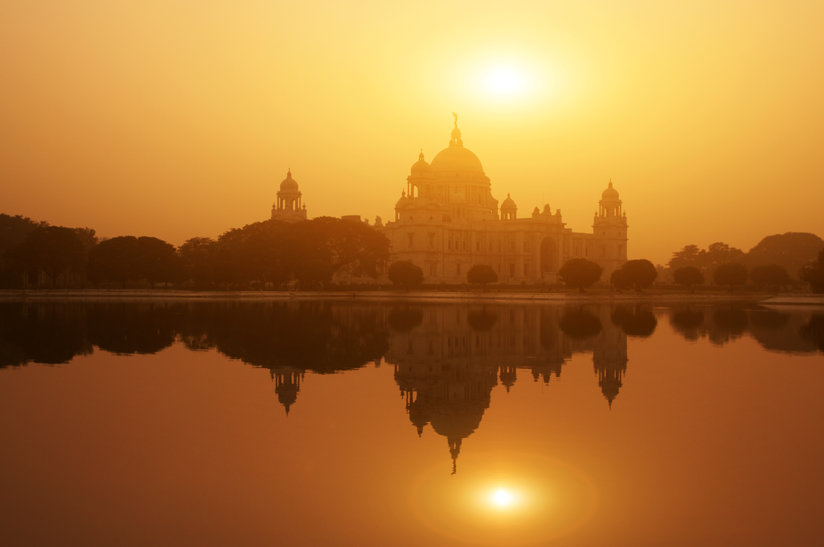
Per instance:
(416,295)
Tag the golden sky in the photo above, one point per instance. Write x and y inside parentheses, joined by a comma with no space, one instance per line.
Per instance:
(180,118)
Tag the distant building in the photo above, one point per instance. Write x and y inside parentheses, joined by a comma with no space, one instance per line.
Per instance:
(289,206)
(447,220)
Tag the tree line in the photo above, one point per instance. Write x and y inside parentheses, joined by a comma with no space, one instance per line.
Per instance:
(639,274)
(268,254)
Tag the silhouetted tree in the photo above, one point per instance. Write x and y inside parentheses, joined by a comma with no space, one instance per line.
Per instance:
(53,250)
(128,258)
(481,274)
(688,276)
(405,274)
(813,273)
(579,273)
(730,274)
(771,276)
(197,261)
(638,274)
(705,260)
(579,323)
(157,260)
(791,250)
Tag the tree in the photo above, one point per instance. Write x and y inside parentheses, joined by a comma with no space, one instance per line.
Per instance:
(197,260)
(579,273)
(813,273)
(157,260)
(53,250)
(481,274)
(730,274)
(770,276)
(688,276)
(690,255)
(128,258)
(638,274)
(405,274)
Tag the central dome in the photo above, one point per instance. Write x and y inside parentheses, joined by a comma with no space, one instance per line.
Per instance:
(457,158)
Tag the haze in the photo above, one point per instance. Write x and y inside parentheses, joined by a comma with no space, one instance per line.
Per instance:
(179,119)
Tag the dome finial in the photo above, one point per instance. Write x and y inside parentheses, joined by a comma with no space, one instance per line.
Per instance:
(420,156)
(456,133)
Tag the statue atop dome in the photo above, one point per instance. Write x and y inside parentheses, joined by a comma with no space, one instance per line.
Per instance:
(456,133)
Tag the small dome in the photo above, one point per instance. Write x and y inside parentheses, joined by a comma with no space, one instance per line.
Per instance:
(420,167)
(610,193)
(403,201)
(508,203)
(289,184)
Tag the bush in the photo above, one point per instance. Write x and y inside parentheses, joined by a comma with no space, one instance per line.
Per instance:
(481,274)
(405,274)
(579,273)
(638,274)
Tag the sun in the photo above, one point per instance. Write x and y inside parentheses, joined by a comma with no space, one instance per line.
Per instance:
(504,81)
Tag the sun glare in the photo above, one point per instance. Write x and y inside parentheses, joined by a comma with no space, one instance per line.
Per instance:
(505,81)
(502,498)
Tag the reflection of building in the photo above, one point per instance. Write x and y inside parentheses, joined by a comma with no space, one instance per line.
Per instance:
(289,206)
(287,384)
(447,220)
(447,366)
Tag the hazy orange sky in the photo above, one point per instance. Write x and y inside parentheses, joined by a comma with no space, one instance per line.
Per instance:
(180,118)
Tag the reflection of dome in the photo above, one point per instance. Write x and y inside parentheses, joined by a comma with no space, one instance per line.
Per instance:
(289,184)
(610,193)
(420,167)
(457,158)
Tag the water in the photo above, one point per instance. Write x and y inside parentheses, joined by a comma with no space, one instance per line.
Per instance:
(174,423)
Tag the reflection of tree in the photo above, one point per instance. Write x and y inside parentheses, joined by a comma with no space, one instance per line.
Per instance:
(481,320)
(728,323)
(49,333)
(404,319)
(129,327)
(687,321)
(813,331)
(311,336)
(635,320)
(579,324)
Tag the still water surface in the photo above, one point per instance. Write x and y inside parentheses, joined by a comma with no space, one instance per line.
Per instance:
(221,423)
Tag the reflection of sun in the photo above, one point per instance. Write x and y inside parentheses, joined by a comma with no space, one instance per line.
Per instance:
(504,81)
(502,498)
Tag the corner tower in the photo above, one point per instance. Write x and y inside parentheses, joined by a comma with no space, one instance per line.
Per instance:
(289,206)
(609,228)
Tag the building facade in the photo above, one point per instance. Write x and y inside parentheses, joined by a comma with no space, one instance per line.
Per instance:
(447,220)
